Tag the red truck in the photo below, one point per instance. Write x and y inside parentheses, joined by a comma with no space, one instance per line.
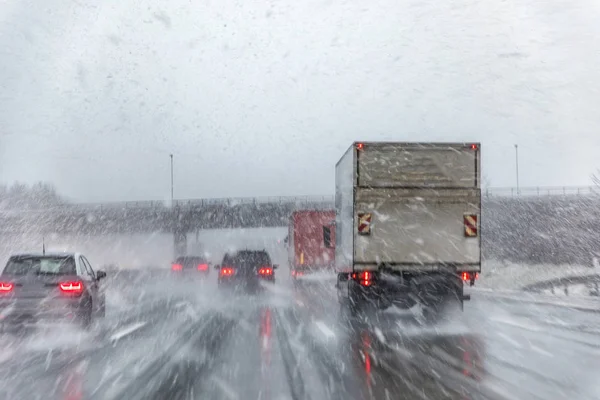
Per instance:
(311,241)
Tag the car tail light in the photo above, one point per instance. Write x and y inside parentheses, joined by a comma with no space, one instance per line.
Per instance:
(469,276)
(74,287)
(177,267)
(202,267)
(365,278)
(265,271)
(6,287)
(227,271)
(297,273)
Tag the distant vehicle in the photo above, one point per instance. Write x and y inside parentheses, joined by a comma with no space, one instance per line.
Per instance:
(311,243)
(191,265)
(50,287)
(407,224)
(246,269)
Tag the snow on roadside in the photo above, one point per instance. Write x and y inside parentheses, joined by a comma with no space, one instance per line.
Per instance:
(510,276)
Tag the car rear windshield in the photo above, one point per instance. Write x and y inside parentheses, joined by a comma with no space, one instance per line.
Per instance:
(250,258)
(190,262)
(40,266)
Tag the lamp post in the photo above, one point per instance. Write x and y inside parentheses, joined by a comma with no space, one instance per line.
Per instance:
(517,165)
(172,186)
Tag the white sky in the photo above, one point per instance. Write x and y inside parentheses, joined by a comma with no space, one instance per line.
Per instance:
(261,98)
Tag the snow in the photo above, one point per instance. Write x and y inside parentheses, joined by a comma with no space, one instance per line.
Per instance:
(510,276)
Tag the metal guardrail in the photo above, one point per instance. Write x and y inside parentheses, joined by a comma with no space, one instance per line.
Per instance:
(540,191)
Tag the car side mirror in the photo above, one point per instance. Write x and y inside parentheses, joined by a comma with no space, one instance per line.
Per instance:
(275,266)
(217,266)
(100,275)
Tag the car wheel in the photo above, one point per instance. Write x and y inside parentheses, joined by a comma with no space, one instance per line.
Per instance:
(102,311)
(85,318)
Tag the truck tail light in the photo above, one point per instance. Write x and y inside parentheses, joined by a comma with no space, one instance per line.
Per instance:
(470,276)
(365,278)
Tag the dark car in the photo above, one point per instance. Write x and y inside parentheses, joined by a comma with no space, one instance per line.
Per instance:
(191,264)
(50,287)
(246,269)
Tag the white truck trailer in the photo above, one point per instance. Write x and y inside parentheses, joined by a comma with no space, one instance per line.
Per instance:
(407,225)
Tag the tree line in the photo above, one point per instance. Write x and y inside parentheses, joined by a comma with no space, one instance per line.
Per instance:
(37,195)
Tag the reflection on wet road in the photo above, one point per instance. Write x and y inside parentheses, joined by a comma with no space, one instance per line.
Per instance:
(292,343)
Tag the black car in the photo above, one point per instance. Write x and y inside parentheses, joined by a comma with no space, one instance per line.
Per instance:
(190,265)
(246,269)
(50,287)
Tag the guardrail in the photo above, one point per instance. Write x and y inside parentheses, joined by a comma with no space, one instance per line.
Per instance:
(541,191)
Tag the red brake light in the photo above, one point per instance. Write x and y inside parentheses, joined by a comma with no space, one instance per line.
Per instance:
(202,267)
(265,271)
(75,287)
(227,271)
(6,287)
(177,267)
(365,278)
(467,276)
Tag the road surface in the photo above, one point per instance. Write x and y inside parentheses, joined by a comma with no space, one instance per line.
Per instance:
(186,340)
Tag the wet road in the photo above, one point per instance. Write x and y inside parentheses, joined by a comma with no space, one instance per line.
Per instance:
(288,343)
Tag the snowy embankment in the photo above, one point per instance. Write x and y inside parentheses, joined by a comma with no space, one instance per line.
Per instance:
(498,275)
(509,282)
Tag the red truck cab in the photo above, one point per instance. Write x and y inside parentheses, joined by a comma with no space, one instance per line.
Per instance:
(311,243)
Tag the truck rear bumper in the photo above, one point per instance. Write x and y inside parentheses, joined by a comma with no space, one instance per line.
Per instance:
(424,288)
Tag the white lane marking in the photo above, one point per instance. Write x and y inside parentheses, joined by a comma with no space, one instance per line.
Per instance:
(401,351)
(225,388)
(380,335)
(127,331)
(325,329)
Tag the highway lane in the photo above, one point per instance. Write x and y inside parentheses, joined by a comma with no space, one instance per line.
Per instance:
(292,343)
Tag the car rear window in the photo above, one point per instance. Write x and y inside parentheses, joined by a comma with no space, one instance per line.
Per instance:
(40,266)
(252,258)
(190,262)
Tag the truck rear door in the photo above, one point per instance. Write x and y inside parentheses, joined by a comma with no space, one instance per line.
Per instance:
(417,206)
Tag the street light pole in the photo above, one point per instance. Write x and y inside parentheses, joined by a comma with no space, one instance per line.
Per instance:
(517,164)
(172,186)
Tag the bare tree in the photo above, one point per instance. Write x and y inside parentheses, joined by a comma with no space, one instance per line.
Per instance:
(20,195)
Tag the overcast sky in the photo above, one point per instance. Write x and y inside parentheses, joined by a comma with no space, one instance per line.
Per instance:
(261,98)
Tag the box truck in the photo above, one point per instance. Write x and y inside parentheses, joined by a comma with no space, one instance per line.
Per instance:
(407,225)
